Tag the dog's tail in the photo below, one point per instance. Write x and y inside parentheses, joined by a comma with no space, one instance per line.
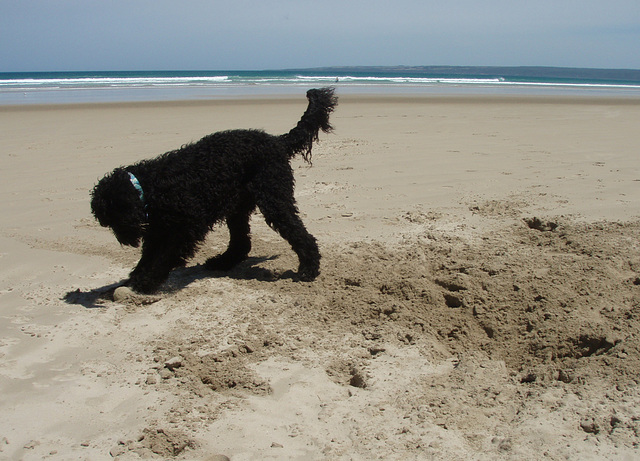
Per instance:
(300,139)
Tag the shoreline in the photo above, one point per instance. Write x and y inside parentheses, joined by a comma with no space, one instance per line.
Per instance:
(374,97)
(53,87)
(195,94)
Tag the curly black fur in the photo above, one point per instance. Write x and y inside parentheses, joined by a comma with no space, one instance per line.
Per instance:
(224,176)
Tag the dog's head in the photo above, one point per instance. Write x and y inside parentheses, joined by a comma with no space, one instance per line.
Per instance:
(116,203)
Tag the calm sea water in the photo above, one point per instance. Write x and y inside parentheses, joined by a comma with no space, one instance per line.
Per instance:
(77,87)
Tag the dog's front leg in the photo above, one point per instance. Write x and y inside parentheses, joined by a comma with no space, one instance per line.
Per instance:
(156,262)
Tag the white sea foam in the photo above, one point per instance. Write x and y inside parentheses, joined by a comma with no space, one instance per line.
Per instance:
(93,82)
(74,87)
(400,80)
(233,80)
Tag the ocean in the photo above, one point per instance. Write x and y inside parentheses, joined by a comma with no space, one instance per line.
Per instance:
(86,87)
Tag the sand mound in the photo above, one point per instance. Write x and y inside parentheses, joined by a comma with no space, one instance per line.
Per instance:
(485,340)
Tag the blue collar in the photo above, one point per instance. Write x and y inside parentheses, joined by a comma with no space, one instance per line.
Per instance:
(137,186)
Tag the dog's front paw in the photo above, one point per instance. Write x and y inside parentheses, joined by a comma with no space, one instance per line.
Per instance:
(307,274)
(143,285)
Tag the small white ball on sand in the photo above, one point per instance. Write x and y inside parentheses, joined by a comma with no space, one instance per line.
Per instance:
(123,294)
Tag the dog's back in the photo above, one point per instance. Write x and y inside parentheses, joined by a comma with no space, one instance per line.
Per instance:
(238,147)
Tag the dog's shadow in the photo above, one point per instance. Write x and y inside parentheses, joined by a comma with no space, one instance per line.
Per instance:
(249,269)
(95,298)
(181,278)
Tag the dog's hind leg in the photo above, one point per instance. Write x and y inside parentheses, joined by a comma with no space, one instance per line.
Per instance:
(282,216)
(239,239)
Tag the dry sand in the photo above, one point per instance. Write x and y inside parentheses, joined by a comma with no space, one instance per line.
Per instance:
(479,295)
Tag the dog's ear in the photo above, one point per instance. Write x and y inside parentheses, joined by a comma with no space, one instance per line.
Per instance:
(110,196)
(115,203)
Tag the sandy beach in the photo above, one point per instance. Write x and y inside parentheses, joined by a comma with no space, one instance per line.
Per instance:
(479,295)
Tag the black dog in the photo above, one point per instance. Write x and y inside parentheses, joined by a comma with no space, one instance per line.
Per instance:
(172,202)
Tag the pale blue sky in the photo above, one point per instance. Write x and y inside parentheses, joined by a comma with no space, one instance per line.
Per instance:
(51,35)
